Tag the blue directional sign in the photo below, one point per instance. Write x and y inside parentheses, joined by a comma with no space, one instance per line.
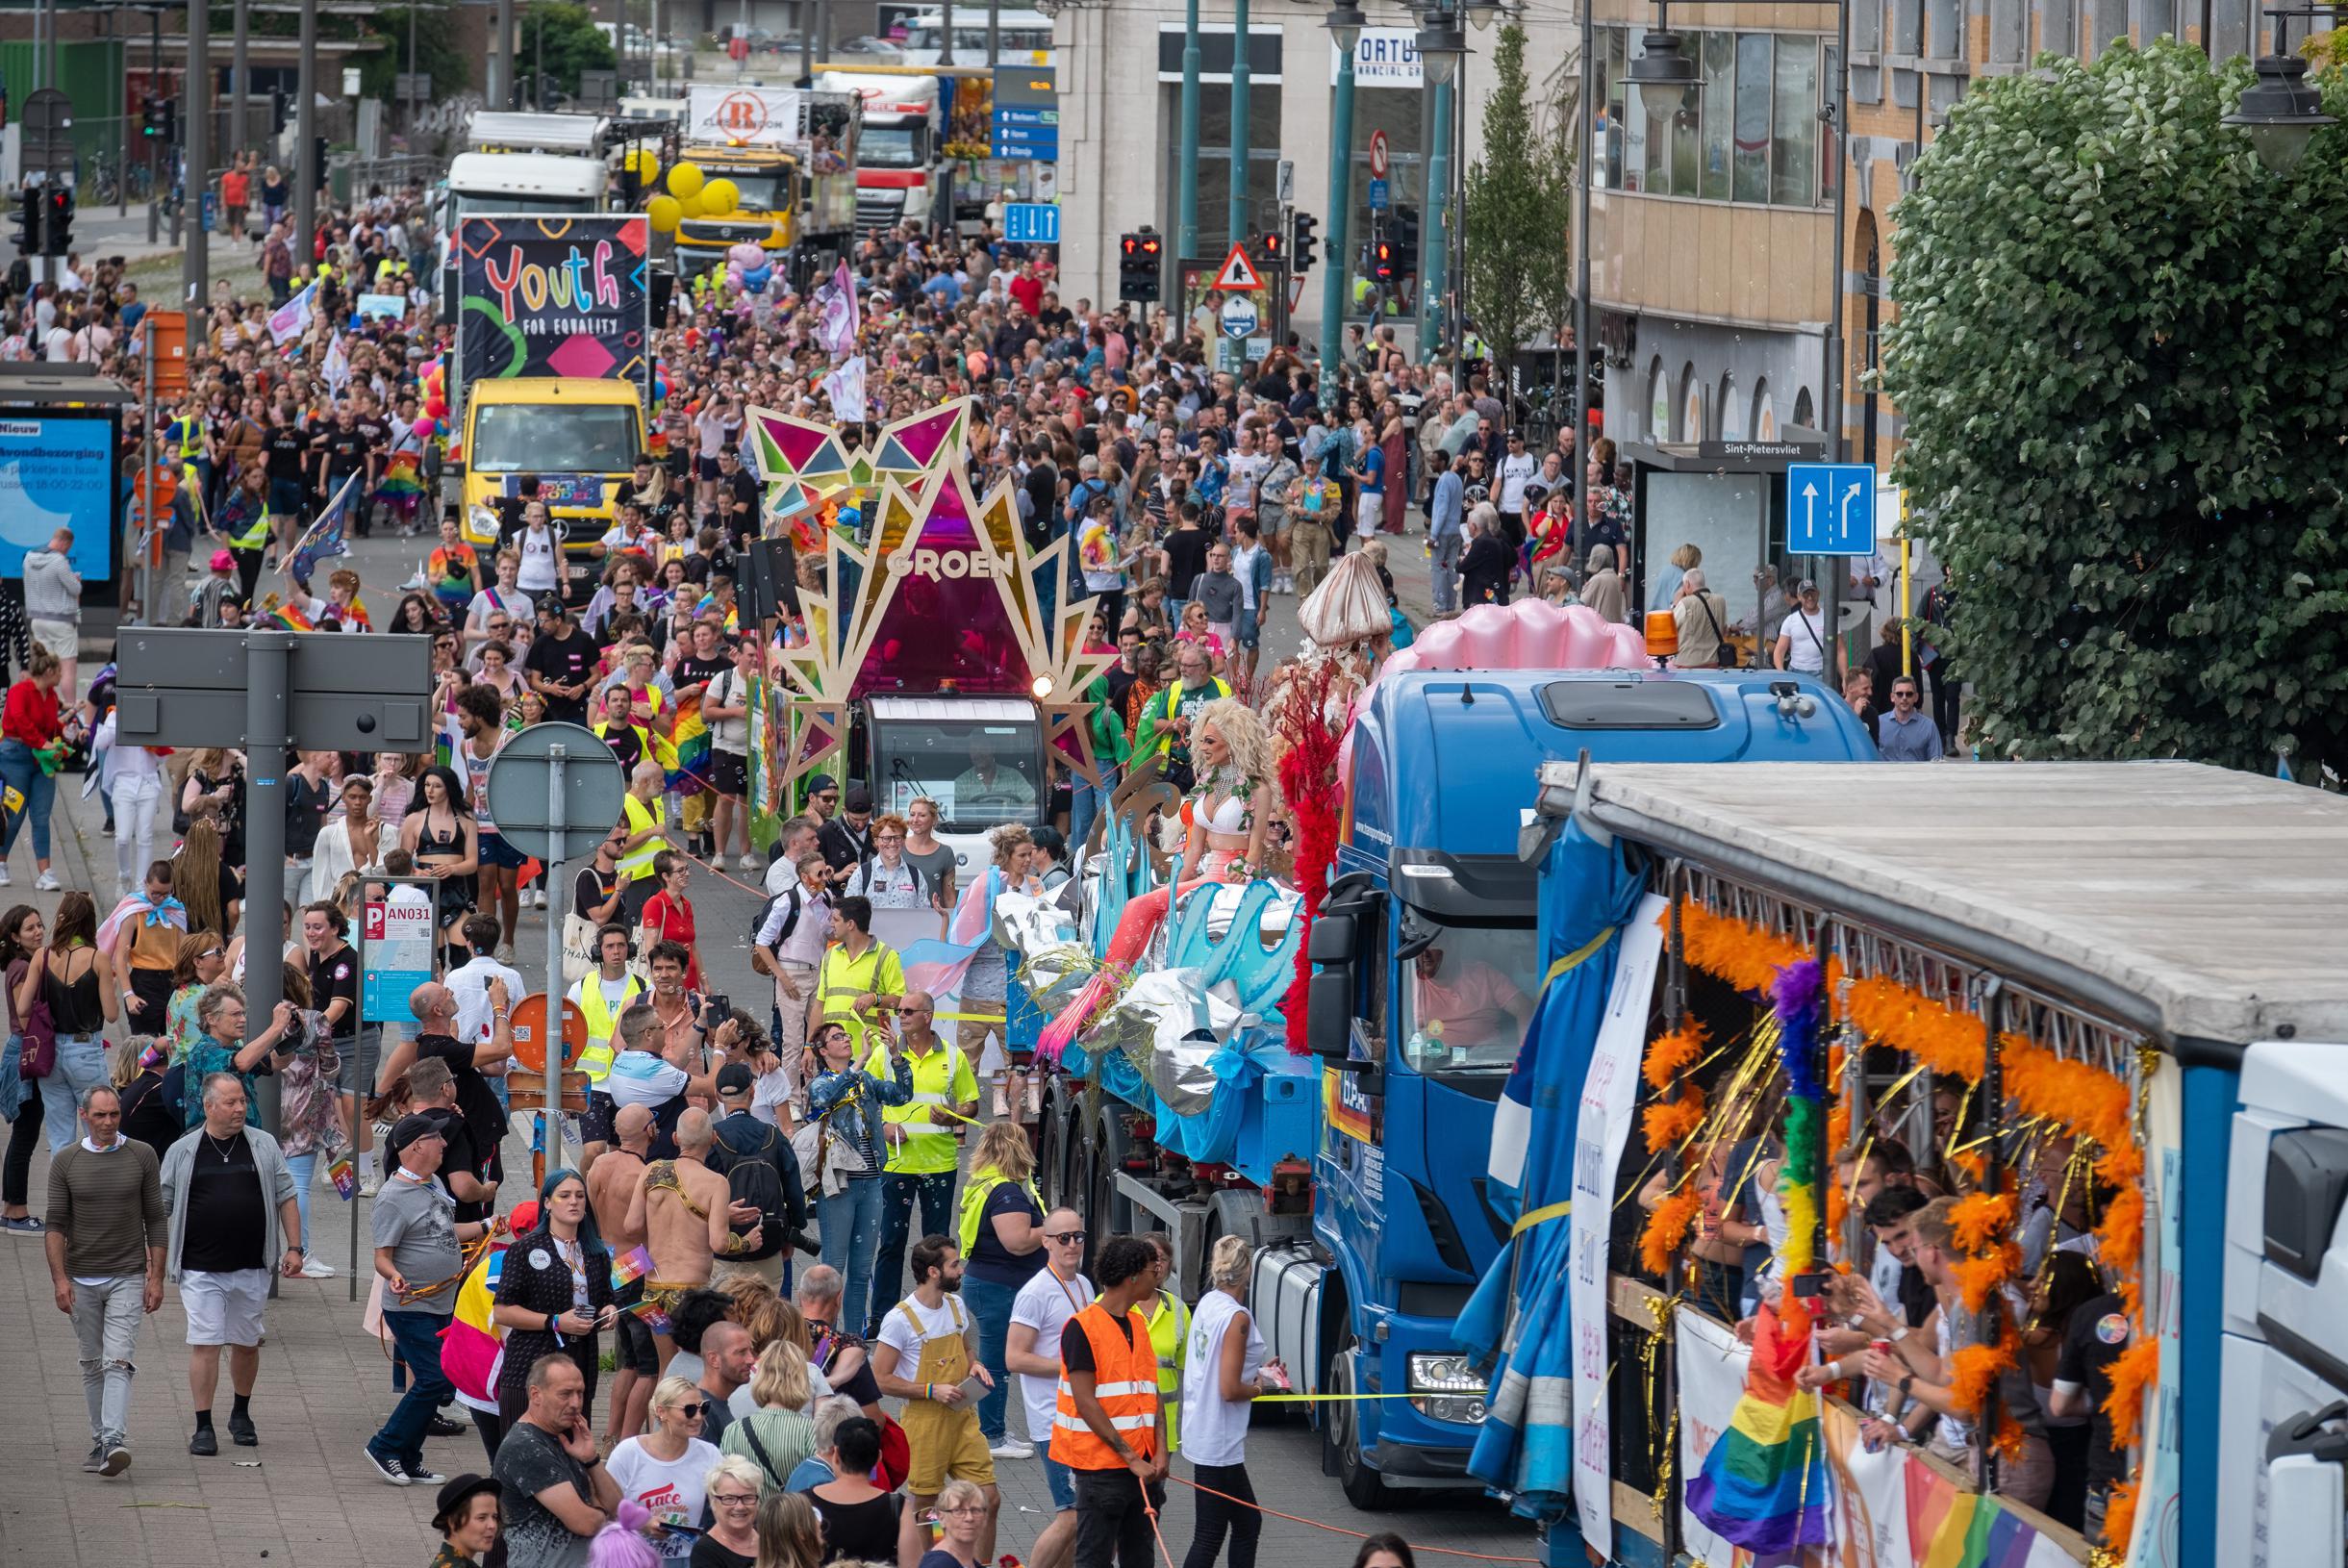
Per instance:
(1829,509)
(1378,200)
(1031,223)
(1028,133)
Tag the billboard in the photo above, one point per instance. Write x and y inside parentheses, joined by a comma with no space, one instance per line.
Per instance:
(59,470)
(746,116)
(554,297)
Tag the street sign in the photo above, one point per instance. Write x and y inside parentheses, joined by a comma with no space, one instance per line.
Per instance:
(1284,186)
(523,784)
(1240,318)
(1031,223)
(1030,134)
(1379,200)
(396,945)
(344,693)
(412,87)
(1296,292)
(553,790)
(1829,509)
(1238,272)
(1378,155)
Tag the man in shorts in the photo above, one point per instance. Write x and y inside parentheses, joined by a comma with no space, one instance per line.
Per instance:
(222,1184)
(725,704)
(926,1355)
(611,1182)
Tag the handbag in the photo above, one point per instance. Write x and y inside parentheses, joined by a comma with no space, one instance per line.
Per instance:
(1729,655)
(827,1158)
(39,1032)
(578,946)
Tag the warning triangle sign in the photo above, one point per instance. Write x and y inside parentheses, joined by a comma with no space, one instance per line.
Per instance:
(1238,272)
(1296,294)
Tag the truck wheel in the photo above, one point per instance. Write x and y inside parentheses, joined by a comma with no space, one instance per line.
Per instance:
(1340,1436)
(1052,1174)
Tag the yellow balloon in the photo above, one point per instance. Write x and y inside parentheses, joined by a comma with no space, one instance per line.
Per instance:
(719,197)
(664,212)
(644,164)
(693,206)
(685,181)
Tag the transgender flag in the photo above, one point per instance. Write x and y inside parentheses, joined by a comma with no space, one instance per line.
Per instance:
(937,964)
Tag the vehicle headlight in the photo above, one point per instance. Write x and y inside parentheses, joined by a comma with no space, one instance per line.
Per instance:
(1458,1386)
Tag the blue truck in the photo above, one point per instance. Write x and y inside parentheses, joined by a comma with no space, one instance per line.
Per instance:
(1358,1170)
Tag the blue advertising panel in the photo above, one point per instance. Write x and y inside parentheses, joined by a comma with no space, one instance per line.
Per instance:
(57,470)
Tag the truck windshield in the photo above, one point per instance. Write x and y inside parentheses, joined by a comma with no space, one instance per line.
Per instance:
(470,202)
(761,191)
(981,773)
(1467,995)
(891,146)
(554,438)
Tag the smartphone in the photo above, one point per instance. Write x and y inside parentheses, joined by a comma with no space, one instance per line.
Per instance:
(724,1005)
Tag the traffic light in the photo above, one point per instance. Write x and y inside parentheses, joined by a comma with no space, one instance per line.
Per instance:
(56,231)
(151,119)
(25,236)
(1403,228)
(1270,245)
(1381,258)
(1303,242)
(1141,267)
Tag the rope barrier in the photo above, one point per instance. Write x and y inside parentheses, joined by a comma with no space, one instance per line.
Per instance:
(1334,1530)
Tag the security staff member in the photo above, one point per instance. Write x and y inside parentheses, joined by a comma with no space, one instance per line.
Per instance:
(1106,1426)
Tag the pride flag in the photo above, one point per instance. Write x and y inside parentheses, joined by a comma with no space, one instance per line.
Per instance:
(626,1270)
(684,751)
(1764,1483)
(937,966)
(291,618)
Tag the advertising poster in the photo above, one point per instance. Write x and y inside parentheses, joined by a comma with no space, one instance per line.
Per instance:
(396,951)
(554,297)
(58,471)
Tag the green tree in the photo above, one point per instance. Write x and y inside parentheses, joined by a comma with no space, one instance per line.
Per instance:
(574,44)
(1550,281)
(1512,230)
(2121,351)
(437,54)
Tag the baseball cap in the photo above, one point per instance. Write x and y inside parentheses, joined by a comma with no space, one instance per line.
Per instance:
(735,1078)
(409,1129)
(550,604)
(821,782)
(859,798)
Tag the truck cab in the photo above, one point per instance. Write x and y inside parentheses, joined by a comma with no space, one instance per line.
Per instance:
(581,439)
(768,212)
(1426,971)
(898,155)
(979,757)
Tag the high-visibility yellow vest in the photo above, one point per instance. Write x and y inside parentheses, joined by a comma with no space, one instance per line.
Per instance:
(602,1019)
(1174,708)
(637,864)
(1170,1335)
(936,1077)
(973,1209)
(255,534)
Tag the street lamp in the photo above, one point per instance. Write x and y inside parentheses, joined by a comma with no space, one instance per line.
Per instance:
(2281,111)
(1663,66)
(1344,22)
(1442,46)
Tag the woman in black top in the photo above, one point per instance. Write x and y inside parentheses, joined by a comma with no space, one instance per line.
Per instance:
(861,1522)
(439,832)
(555,1293)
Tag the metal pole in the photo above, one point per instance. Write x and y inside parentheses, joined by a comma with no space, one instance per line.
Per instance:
(1239,128)
(241,78)
(122,163)
(512,95)
(1842,196)
(146,470)
(1582,112)
(155,89)
(415,99)
(269,666)
(946,32)
(44,44)
(807,43)
(195,260)
(538,59)
(305,139)
(1436,218)
(1341,206)
(994,31)
(1186,218)
(558,890)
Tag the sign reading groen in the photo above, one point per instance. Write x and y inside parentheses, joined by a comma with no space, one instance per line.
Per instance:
(554,297)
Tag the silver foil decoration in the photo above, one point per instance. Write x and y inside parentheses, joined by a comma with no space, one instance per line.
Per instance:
(1151,1022)
(1052,961)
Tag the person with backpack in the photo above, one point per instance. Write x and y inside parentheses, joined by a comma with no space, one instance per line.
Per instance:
(760,1170)
(886,877)
(787,942)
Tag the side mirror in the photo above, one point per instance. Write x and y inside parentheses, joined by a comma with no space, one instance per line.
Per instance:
(1335,939)
(1329,1014)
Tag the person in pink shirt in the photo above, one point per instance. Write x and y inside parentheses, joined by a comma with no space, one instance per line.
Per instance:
(1475,1004)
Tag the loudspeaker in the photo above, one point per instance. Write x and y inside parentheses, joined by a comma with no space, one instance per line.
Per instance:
(769,580)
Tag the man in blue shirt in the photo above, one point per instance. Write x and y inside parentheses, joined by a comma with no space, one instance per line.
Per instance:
(1905,734)
(1444,534)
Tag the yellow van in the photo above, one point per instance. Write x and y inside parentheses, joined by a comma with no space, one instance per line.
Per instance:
(580,438)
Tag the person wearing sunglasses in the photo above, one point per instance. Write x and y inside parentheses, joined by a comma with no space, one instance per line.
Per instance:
(1040,1314)
(667,1469)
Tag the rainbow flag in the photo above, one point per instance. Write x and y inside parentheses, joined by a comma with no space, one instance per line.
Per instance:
(402,475)
(630,1267)
(293,618)
(1951,1528)
(684,752)
(346,1180)
(1764,1482)
(653,1317)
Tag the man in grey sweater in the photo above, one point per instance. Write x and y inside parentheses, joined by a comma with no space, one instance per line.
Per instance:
(53,603)
(106,1245)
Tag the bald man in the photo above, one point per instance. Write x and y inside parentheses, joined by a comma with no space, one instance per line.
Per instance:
(472,1064)
(612,1185)
(687,1216)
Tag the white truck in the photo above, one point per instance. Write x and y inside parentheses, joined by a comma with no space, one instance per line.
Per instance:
(523,162)
(900,163)
(2161,938)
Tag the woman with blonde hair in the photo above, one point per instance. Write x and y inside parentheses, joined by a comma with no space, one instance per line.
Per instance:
(666,1470)
(734,1488)
(962,1516)
(1229,810)
(1000,1227)
(788,1533)
(1664,591)
(778,1434)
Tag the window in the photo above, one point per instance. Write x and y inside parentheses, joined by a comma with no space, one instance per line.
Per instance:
(1612,46)
(1718,56)
(1752,182)
(1803,416)
(1942,19)
(1467,993)
(1634,132)
(1906,27)
(1732,414)
(1866,26)
(1658,402)
(1764,412)
(1691,404)
(1793,147)
(2007,22)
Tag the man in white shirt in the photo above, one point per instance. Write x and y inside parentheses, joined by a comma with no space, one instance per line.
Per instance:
(470,981)
(1517,471)
(1040,1314)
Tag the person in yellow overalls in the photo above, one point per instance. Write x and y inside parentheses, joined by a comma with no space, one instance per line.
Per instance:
(1168,1323)
(931,1332)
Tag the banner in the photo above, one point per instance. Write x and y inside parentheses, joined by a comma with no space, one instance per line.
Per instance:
(545,296)
(844,387)
(292,318)
(394,949)
(1610,1097)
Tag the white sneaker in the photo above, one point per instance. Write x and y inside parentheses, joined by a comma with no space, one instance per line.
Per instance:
(314,1267)
(538,897)
(370,1186)
(47,882)
(1011,1448)
(4,876)
(748,862)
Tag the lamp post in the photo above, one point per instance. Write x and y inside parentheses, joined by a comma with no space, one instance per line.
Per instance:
(1344,22)
(2280,110)
(1240,83)
(1442,49)
(1186,211)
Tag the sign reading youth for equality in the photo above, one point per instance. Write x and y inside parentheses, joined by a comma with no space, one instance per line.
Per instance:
(58,471)
(555,297)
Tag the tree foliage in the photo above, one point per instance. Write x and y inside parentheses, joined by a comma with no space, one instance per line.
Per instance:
(1512,230)
(437,54)
(2122,350)
(574,44)
(1551,280)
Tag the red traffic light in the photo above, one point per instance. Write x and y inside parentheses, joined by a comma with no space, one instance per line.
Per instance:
(1272,243)
(1150,244)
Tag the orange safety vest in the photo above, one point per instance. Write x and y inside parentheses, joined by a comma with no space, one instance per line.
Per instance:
(1125,1382)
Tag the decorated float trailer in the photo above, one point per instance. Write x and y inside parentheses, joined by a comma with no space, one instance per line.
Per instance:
(2101,1003)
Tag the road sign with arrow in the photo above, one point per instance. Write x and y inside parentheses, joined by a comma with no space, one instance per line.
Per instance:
(1829,509)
